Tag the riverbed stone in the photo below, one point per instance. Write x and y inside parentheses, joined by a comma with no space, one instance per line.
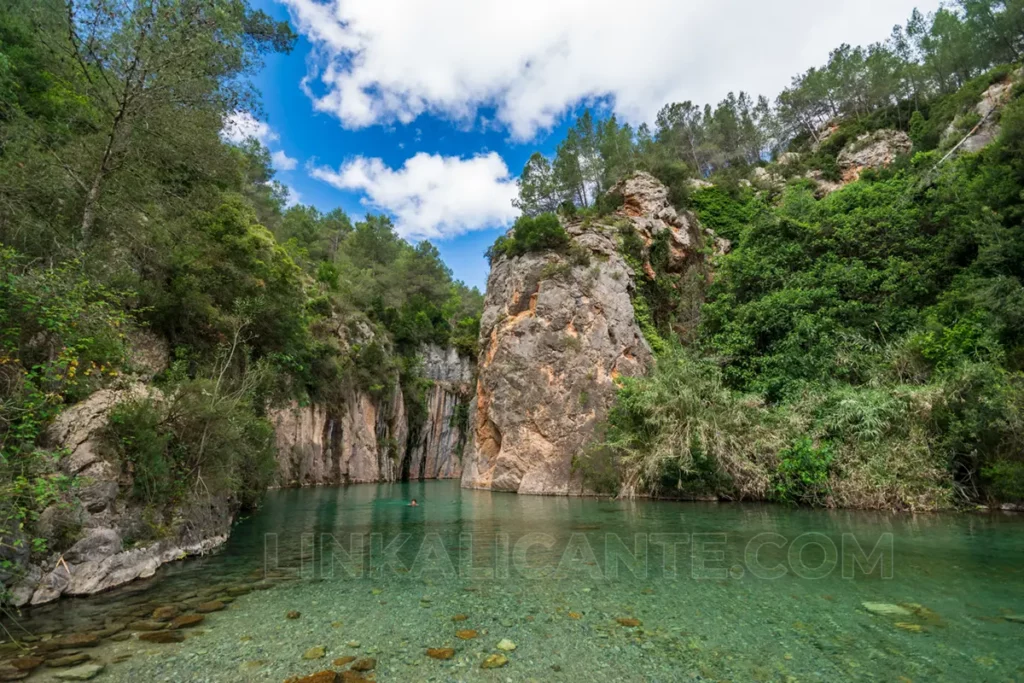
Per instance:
(326,676)
(75,640)
(342,661)
(162,637)
(628,622)
(68,660)
(26,663)
(364,664)
(466,634)
(495,661)
(316,652)
(293,614)
(885,609)
(85,672)
(166,612)
(211,606)
(440,652)
(506,645)
(9,673)
(187,621)
(147,625)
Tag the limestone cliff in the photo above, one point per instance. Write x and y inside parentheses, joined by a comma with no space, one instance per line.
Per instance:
(366,438)
(104,523)
(556,331)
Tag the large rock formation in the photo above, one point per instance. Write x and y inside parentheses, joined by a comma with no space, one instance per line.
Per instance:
(872,150)
(557,330)
(103,521)
(367,438)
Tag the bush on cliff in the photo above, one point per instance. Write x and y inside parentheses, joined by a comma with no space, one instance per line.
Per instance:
(531,234)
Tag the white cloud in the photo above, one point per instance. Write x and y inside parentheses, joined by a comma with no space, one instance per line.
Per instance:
(241,125)
(432,196)
(391,60)
(283,162)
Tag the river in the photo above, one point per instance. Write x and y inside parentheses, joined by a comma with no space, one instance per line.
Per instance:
(574,590)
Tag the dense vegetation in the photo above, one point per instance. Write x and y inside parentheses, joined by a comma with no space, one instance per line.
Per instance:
(863,348)
(126,219)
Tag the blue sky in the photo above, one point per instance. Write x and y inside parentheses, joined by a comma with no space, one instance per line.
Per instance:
(479,86)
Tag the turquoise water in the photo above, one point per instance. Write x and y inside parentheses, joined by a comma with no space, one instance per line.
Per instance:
(536,571)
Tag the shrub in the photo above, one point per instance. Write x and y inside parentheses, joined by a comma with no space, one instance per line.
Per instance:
(802,474)
(531,234)
(203,440)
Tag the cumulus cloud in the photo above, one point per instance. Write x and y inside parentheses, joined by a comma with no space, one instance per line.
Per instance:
(391,60)
(241,125)
(431,196)
(283,162)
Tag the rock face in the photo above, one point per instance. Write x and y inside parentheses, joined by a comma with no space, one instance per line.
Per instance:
(98,559)
(364,438)
(988,109)
(555,334)
(436,446)
(872,150)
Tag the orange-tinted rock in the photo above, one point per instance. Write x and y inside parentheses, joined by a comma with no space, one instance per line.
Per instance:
(342,661)
(440,652)
(365,664)
(318,677)
(293,615)
(575,615)
(628,622)
(187,621)
(26,663)
(459,617)
(162,636)
(212,606)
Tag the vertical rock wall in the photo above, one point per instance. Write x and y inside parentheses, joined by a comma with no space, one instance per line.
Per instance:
(556,332)
(368,439)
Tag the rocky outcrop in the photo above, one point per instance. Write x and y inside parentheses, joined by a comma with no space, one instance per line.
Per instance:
(987,111)
(101,556)
(360,439)
(369,438)
(872,150)
(556,331)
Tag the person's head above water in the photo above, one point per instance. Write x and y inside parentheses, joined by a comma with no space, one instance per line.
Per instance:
(413,503)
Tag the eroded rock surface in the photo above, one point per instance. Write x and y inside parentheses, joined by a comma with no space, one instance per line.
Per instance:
(102,519)
(365,438)
(555,334)
(872,150)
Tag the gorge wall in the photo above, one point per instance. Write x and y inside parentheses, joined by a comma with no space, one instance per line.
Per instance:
(556,331)
(367,438)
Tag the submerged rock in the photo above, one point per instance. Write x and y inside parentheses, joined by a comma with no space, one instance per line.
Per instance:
(317,652)
(326,676)
(342,661)
(494,662)
(166,613)
(80,673)
(187,621)
(466,634)
(26,663)
(162,637)
(440,652)
(293,615)
(506,645)
(365,664)
(628,622)
(212,606)
(885,609)
(68,660)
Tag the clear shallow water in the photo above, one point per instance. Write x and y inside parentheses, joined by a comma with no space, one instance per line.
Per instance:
(742,605)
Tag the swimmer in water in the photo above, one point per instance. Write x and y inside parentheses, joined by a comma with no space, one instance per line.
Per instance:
(413,503)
